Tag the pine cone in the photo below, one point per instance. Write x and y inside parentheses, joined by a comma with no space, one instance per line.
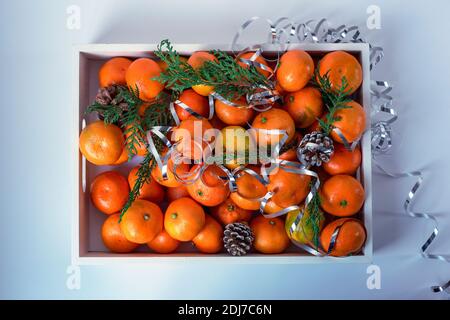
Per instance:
(238,238)
(315,148)
(109,96)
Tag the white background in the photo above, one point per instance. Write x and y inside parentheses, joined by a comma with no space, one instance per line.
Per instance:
(36,93)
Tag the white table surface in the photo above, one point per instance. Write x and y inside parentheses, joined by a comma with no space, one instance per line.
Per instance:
(35,60)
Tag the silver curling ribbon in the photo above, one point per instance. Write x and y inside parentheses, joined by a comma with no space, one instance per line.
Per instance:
(189,109)
(411,197)
(381,141)
(259,100)
(160,132)
(350,146)
(252,61)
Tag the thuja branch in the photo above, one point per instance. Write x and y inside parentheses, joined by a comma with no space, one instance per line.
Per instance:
(143,175)
(156,114)
(120,105)
(314,218)
(110,103)
(334,100)
(227,77)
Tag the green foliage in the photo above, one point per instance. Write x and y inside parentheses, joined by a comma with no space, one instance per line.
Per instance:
(135,128)
(228,78)
(158,113)
(314,218)
(334,100)
(111,113)
(132,123)
(143,175)
(127,117)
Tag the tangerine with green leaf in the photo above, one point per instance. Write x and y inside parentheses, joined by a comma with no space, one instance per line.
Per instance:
(270,235)
(228,212)
(196,61)
(339,65)
(184,219)
(139,144)
(295,70)
(210,190)
(342,195)
(350,238)
(304,106)
(142,222)
(273,119)
(351,121)
(140,76)
(150,190)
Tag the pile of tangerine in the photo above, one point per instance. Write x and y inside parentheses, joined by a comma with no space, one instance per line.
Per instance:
(197,212)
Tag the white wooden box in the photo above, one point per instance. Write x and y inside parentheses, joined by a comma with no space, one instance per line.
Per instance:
(87,246)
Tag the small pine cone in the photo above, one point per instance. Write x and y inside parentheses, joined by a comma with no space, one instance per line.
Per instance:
(238,238)
(314,149)
(109,96)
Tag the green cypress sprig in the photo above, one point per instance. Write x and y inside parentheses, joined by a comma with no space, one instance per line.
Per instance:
(156,114)
(315,217)
(135,126)
(143,175)
(228,78)
(132,123)
(111,113)
(334,100)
